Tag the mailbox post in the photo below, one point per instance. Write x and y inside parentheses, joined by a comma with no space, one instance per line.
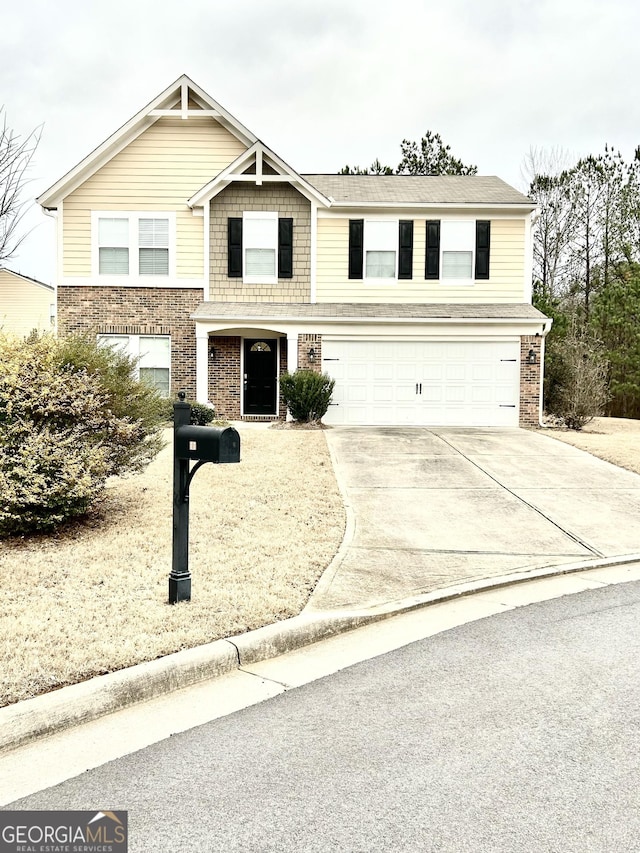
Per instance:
(200,444)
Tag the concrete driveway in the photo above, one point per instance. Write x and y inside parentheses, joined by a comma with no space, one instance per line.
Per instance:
(432,508)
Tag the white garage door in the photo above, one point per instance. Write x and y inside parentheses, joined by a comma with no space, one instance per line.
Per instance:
(424,383)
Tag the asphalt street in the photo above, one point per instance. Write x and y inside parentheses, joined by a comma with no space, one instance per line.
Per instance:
(517,732)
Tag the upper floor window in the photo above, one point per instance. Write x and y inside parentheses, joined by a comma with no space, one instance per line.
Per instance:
(457,251)
(153,246)
(380,248)
(133,244)
(113,246)
(457,245)
(260,247)
(260,237)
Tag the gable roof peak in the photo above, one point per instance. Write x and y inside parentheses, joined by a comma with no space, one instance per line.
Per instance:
(183,98)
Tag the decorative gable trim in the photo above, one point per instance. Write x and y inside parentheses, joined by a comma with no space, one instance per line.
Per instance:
(268,168)
(173,101)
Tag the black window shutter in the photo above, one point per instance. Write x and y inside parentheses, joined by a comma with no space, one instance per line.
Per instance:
(483,242)
(432,260)
(234,244)
(285,248)
(405,246)
(356,247)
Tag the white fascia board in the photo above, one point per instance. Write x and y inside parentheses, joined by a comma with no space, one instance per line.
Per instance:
(347,330)
(358,206)
(235,319)
(140,122)
(235,172)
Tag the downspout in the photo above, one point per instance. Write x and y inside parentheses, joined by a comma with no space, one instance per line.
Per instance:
(53,213)
(546,328)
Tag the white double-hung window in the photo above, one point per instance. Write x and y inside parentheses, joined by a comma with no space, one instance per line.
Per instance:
(380,248)
(152,354)
(137,245)
(260,245)
(457,244)
(153,246)
(113,245)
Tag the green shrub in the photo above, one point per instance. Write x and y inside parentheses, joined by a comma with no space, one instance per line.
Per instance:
(71,415)
(307,394)
(201,414)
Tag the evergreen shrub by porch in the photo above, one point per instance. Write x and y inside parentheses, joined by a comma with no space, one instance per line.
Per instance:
(72,413)
(307,394)
(201,415)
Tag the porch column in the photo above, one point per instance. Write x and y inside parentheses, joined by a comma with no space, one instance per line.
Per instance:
(202,365)
(292,357)
(292,351)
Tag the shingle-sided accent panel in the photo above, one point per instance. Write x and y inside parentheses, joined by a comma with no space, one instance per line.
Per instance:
(287,203)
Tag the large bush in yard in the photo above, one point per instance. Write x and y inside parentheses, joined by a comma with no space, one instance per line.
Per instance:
(72,413)
(307,394)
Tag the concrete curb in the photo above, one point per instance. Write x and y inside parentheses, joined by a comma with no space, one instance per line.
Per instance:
(71,706)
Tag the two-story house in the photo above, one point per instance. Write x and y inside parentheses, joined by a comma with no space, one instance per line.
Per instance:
(186,240)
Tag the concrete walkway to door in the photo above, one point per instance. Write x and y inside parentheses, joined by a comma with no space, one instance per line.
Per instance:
(432,508)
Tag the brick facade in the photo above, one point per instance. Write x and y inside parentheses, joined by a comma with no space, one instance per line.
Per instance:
(305,343)
(530,381)
(224,383)
(287,202)
(137,311)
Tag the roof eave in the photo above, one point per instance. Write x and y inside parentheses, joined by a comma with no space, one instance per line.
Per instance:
(433,205)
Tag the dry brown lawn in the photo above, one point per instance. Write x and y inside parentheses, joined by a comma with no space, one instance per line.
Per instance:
(93,599)
(615,440)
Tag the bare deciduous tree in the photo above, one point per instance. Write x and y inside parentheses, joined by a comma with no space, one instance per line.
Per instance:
(16,154)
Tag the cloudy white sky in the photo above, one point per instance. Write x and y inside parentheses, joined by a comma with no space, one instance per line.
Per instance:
(326,83)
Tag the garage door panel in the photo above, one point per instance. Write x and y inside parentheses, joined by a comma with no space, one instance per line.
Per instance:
(481,394)
(460,383)
(455,393)
(406,393)
(431,393)
(383,370)
(407,370)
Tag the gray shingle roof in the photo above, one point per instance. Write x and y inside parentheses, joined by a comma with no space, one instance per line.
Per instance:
(417,189)
(351,310)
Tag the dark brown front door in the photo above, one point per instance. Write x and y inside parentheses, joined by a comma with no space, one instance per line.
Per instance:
(260,374)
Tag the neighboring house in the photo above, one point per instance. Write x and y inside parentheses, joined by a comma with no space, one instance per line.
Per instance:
(187,240)
(25,304)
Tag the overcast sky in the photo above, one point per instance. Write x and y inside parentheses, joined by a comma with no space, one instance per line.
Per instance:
(326,83)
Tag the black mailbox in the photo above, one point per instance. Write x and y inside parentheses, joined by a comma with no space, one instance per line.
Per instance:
(207,444)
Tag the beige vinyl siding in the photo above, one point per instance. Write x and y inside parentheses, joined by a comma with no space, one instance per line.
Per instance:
(506,282)
(24,305)
(159,170)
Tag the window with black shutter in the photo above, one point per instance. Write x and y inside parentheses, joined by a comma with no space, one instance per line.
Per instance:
(405,246)
(356,247)
(285,248)
(483,242)
(432,260)
(234,251)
